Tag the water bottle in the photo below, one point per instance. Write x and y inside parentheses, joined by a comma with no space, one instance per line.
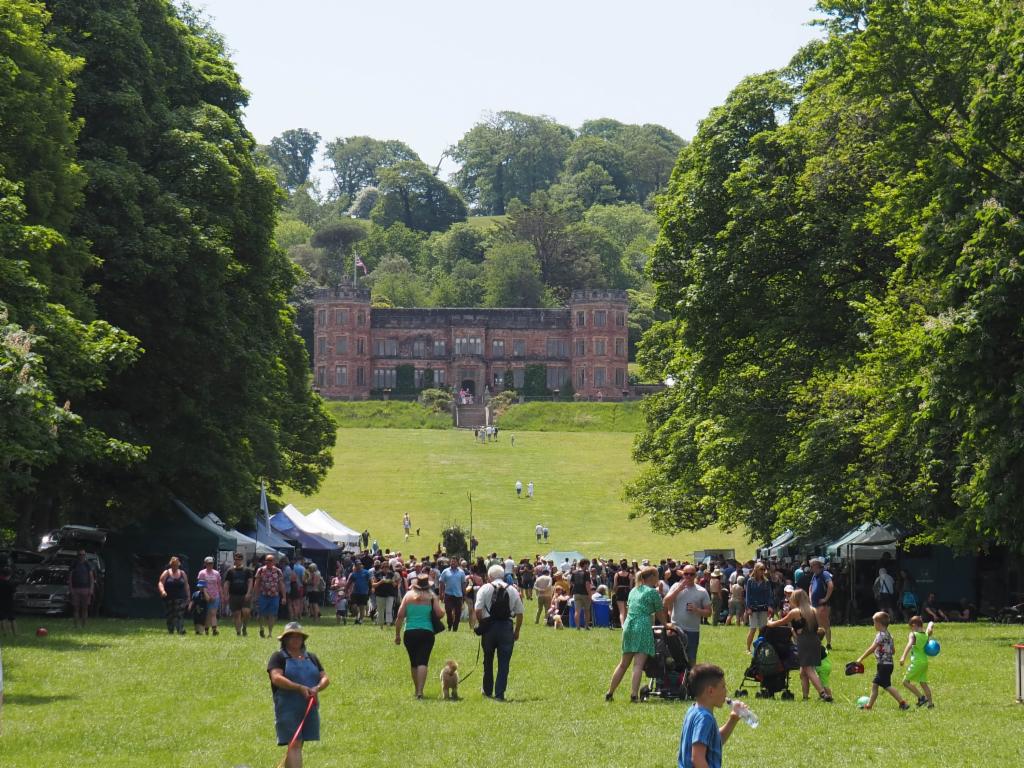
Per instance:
(746,714)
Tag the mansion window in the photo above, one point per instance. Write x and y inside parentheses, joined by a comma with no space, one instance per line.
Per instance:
(581,347)
(341,376)
(361,346)
(439,376)
(519,349)
(600,317)
(417,378)
(599,347)
(384,378)
(341,317)
(360,377)
(581,378)
(558,348)
(469,345)
(497,378)
(620,319)
(620,347)
(385,347)
(421,347)
(439,348)
(361,318)
(321,375)
(557,376)
(498,348)
(321,317)
(518,377)
(321,346)
(599,377)
(581,319)
(341,345)
(620,377)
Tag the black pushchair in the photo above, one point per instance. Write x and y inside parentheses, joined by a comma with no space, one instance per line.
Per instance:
(667,670)
(773,658)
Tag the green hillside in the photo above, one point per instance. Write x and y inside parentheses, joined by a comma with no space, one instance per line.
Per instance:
(579,476)
(574,417)
(386,414)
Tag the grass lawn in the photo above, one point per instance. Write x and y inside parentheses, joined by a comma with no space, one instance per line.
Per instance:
(578,478)
(124,693)
(387,414)
(574,417)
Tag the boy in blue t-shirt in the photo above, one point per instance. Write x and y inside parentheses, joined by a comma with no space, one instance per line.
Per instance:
(700,745)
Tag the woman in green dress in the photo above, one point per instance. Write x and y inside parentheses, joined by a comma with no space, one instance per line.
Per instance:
(637,632)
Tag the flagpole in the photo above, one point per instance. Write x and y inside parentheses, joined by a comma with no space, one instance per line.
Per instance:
(355,275)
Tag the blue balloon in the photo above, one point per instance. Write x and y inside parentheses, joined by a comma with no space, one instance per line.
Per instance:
(932,648)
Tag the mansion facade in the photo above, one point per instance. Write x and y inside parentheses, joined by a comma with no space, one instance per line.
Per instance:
(358,349)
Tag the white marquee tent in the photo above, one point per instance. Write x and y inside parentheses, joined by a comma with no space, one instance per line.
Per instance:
(332,529)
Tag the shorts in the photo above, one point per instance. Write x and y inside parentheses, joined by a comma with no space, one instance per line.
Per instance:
(360,600)
(418,644)
(917,673)
(237,603)
(268,605)
(341,607)
(735,607)
(824,671)
(315,598)
(213,604)
(81,597)
(758,619)
(883,676)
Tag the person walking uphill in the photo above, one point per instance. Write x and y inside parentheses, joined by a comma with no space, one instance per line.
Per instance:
(269,588)
(497,606)
(173,588)
(418,606)
(296,678)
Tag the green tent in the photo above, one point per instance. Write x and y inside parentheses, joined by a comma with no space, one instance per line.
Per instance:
(137,554)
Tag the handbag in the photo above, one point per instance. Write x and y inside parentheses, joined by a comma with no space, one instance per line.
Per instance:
(436,622)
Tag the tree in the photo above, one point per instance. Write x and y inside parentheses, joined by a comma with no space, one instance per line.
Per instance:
(396,240)
(412,195)
(358,160)
(336,240)
(546,227)
(512,277)
(395,282)
(364,202)
(184,218)
(588,187)
(589,150)
(290,232)
(649,153)
(293,151)
(508,156)
(53,352)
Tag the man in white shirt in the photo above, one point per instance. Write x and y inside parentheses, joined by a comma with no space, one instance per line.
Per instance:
(510,566)
(498,606)
(539,530)
(544,587)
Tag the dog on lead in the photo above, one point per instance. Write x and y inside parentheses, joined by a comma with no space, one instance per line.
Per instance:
(450,680)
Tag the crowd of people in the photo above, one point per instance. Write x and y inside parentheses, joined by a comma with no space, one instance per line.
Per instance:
(418,597)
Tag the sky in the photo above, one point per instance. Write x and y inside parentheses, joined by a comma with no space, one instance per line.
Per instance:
(426,71)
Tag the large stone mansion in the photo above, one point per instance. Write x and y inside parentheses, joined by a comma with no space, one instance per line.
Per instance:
(358,349)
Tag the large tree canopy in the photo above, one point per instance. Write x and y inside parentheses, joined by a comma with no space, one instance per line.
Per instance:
(509,156)
(839,257)
(182,218)
(358,160)
(293,152)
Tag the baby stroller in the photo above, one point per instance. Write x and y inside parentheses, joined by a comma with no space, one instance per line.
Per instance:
(667,669)
(773,658)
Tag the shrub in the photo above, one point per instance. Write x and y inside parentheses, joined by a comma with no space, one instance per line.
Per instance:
(455,540)
(501,403)
(437,400)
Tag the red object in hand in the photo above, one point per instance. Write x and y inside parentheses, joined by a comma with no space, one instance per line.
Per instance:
(42,632)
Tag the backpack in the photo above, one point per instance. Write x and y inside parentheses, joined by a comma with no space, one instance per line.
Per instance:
(766,659)
(501,608)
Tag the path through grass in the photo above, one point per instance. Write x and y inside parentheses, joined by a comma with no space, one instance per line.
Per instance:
(126,695)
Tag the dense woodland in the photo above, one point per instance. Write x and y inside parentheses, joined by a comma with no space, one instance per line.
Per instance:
(147,348)
(841,253)
(534,210)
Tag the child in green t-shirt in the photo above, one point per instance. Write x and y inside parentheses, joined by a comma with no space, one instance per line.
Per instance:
(917,674)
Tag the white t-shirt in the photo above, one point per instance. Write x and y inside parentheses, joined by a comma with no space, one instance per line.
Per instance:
(543,585)
(510,566)
(485,594)
(539,529)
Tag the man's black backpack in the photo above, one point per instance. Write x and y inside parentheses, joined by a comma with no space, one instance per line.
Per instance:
(501,609)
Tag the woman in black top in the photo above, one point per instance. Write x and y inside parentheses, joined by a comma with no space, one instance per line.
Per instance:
(804,623)
(621,584)
(296,679)
(173,588)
